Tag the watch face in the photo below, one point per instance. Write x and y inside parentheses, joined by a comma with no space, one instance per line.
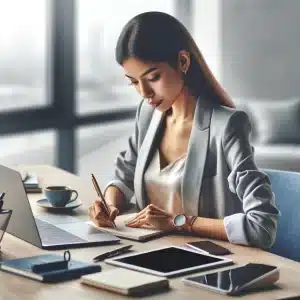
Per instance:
(180,220)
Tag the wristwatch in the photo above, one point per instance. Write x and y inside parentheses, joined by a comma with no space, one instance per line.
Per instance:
(182,221)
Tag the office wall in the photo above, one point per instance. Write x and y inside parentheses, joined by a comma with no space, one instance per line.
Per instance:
(260,46)
(206,32)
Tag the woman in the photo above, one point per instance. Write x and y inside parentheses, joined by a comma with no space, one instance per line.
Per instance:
(189,164)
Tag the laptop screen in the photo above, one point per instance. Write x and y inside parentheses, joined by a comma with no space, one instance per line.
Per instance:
(22,223)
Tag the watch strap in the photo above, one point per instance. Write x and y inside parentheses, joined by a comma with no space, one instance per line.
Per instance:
(190,221)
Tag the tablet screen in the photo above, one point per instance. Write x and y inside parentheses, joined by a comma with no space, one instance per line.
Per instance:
(170,259)
(233,279)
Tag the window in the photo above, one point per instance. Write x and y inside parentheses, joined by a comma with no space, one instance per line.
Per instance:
(98,146)
(30,57)
(22,54)
(101,82)
(28,148)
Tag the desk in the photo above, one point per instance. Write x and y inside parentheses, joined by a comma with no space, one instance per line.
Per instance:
(16,287)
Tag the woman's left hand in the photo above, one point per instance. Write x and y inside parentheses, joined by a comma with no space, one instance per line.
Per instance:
(153,217)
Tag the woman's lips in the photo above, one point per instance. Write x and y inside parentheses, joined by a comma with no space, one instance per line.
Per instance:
(155,104)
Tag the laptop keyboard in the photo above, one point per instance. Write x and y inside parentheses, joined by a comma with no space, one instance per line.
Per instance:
(52,235)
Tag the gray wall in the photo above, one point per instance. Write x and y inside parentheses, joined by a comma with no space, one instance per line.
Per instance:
(260,48)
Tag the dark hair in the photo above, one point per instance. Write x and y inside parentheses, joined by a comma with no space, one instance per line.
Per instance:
(158,37)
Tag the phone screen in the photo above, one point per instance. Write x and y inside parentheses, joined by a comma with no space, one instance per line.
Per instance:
(232,280)
(209,247)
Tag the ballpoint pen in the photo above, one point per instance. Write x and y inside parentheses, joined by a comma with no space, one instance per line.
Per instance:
(112,253)
(99,193)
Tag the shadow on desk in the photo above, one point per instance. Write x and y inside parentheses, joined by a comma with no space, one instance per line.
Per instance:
(150,292)
(261,290)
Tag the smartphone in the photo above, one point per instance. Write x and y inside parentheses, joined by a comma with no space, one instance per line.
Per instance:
(234,281)
(209,247)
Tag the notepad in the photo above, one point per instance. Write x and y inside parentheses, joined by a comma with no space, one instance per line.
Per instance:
(25,267)
(123,231)
(126,282)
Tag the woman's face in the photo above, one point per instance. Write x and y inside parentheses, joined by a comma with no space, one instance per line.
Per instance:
(158,83)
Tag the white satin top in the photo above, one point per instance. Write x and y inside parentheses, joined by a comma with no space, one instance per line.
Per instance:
(163,186)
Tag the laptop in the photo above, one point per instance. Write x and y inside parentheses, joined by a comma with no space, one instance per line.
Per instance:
(49,231)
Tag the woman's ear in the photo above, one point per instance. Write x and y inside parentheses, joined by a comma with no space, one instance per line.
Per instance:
(184,61)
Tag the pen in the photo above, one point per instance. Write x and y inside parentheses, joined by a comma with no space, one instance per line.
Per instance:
(112,253)
(97,188)
(1,199)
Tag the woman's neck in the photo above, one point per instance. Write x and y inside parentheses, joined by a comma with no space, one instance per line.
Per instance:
(183,109)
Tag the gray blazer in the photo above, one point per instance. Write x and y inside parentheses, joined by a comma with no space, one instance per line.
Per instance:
(220,179)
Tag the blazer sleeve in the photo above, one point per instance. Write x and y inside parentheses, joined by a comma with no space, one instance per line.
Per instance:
(125,164)
(257,225)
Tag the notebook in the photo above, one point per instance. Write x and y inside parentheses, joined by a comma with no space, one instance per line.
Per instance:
(31,183)
(25,267)
(123,231)
(126,282)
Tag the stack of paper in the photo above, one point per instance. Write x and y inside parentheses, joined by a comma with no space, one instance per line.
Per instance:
(31,183)
(126,282)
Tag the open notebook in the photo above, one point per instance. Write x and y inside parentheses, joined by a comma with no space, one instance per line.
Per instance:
(123,231)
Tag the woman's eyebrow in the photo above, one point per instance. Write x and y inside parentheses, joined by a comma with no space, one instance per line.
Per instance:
(145,73)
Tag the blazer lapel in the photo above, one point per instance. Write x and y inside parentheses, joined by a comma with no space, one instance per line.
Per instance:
(143,156)
(196,158)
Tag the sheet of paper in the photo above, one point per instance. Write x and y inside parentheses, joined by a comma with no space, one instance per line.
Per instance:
(122,230)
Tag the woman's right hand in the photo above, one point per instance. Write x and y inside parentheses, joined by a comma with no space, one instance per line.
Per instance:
(98,215)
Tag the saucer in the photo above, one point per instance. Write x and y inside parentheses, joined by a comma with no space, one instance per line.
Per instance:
(46,204)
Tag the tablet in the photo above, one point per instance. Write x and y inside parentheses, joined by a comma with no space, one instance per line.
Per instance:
(169,261)
(234,281)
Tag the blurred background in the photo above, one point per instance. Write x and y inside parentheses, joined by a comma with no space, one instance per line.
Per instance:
(64,101)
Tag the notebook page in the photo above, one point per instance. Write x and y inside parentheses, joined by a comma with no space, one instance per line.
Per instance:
(122,230)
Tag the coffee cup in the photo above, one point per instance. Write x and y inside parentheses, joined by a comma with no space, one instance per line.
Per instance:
(60,196)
